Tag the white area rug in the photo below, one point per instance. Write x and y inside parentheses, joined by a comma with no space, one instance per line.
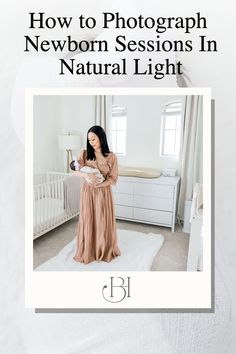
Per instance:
(137,254)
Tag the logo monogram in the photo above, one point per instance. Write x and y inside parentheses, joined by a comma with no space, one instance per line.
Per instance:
(118,291)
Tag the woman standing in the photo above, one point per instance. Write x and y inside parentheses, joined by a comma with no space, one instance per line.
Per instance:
(96,235)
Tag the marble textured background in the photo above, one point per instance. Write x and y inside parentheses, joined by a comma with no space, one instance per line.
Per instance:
(21,327)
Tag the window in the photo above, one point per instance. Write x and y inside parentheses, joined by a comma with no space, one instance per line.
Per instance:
(171,124)
(119,123)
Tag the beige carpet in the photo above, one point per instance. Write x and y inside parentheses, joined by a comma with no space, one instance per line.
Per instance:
(171,257)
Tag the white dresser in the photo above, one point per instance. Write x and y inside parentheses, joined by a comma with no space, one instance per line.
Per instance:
(147,200)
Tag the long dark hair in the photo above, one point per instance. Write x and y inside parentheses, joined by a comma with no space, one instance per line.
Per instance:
(100,132)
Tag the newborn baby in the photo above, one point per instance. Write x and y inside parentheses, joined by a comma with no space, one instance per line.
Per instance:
(74,165)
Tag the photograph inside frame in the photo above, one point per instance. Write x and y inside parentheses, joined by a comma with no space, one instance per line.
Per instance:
(118,183)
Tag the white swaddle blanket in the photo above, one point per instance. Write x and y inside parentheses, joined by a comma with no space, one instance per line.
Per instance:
(87,169)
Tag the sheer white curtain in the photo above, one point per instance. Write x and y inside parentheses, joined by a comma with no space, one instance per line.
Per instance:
(191,156)
(103,105)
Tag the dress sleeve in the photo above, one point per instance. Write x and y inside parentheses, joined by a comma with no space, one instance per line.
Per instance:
(113,172)
(82,158)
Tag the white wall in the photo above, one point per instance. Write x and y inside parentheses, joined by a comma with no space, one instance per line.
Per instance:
(143,131)
(78,115)
(47,126)
(55,115)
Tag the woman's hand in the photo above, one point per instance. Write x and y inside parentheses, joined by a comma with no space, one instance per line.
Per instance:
(93,178)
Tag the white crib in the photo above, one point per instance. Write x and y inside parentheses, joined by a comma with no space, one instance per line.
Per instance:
(56,200)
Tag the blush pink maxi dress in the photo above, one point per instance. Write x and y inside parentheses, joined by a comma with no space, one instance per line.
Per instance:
(96,233)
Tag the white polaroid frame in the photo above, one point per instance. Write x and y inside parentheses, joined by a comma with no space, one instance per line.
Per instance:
(154,290)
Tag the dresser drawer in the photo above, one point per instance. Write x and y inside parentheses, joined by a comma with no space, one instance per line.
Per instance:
(123,212)
(123,199)
(154,190)
(164,204)
(123,187)
(154,216)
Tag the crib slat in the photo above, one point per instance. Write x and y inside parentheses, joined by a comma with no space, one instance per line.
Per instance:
(57,201)
(47,210)
(39,208)
(34,211)
(51,201)
(56,204)
(37,212)
(63,199)
(42,206)
(44,192)
(60,186)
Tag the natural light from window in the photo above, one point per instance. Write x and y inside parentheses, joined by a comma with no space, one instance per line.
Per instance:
(119,128)
(171,129)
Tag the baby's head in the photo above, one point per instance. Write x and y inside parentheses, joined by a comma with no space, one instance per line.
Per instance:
(74,165)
